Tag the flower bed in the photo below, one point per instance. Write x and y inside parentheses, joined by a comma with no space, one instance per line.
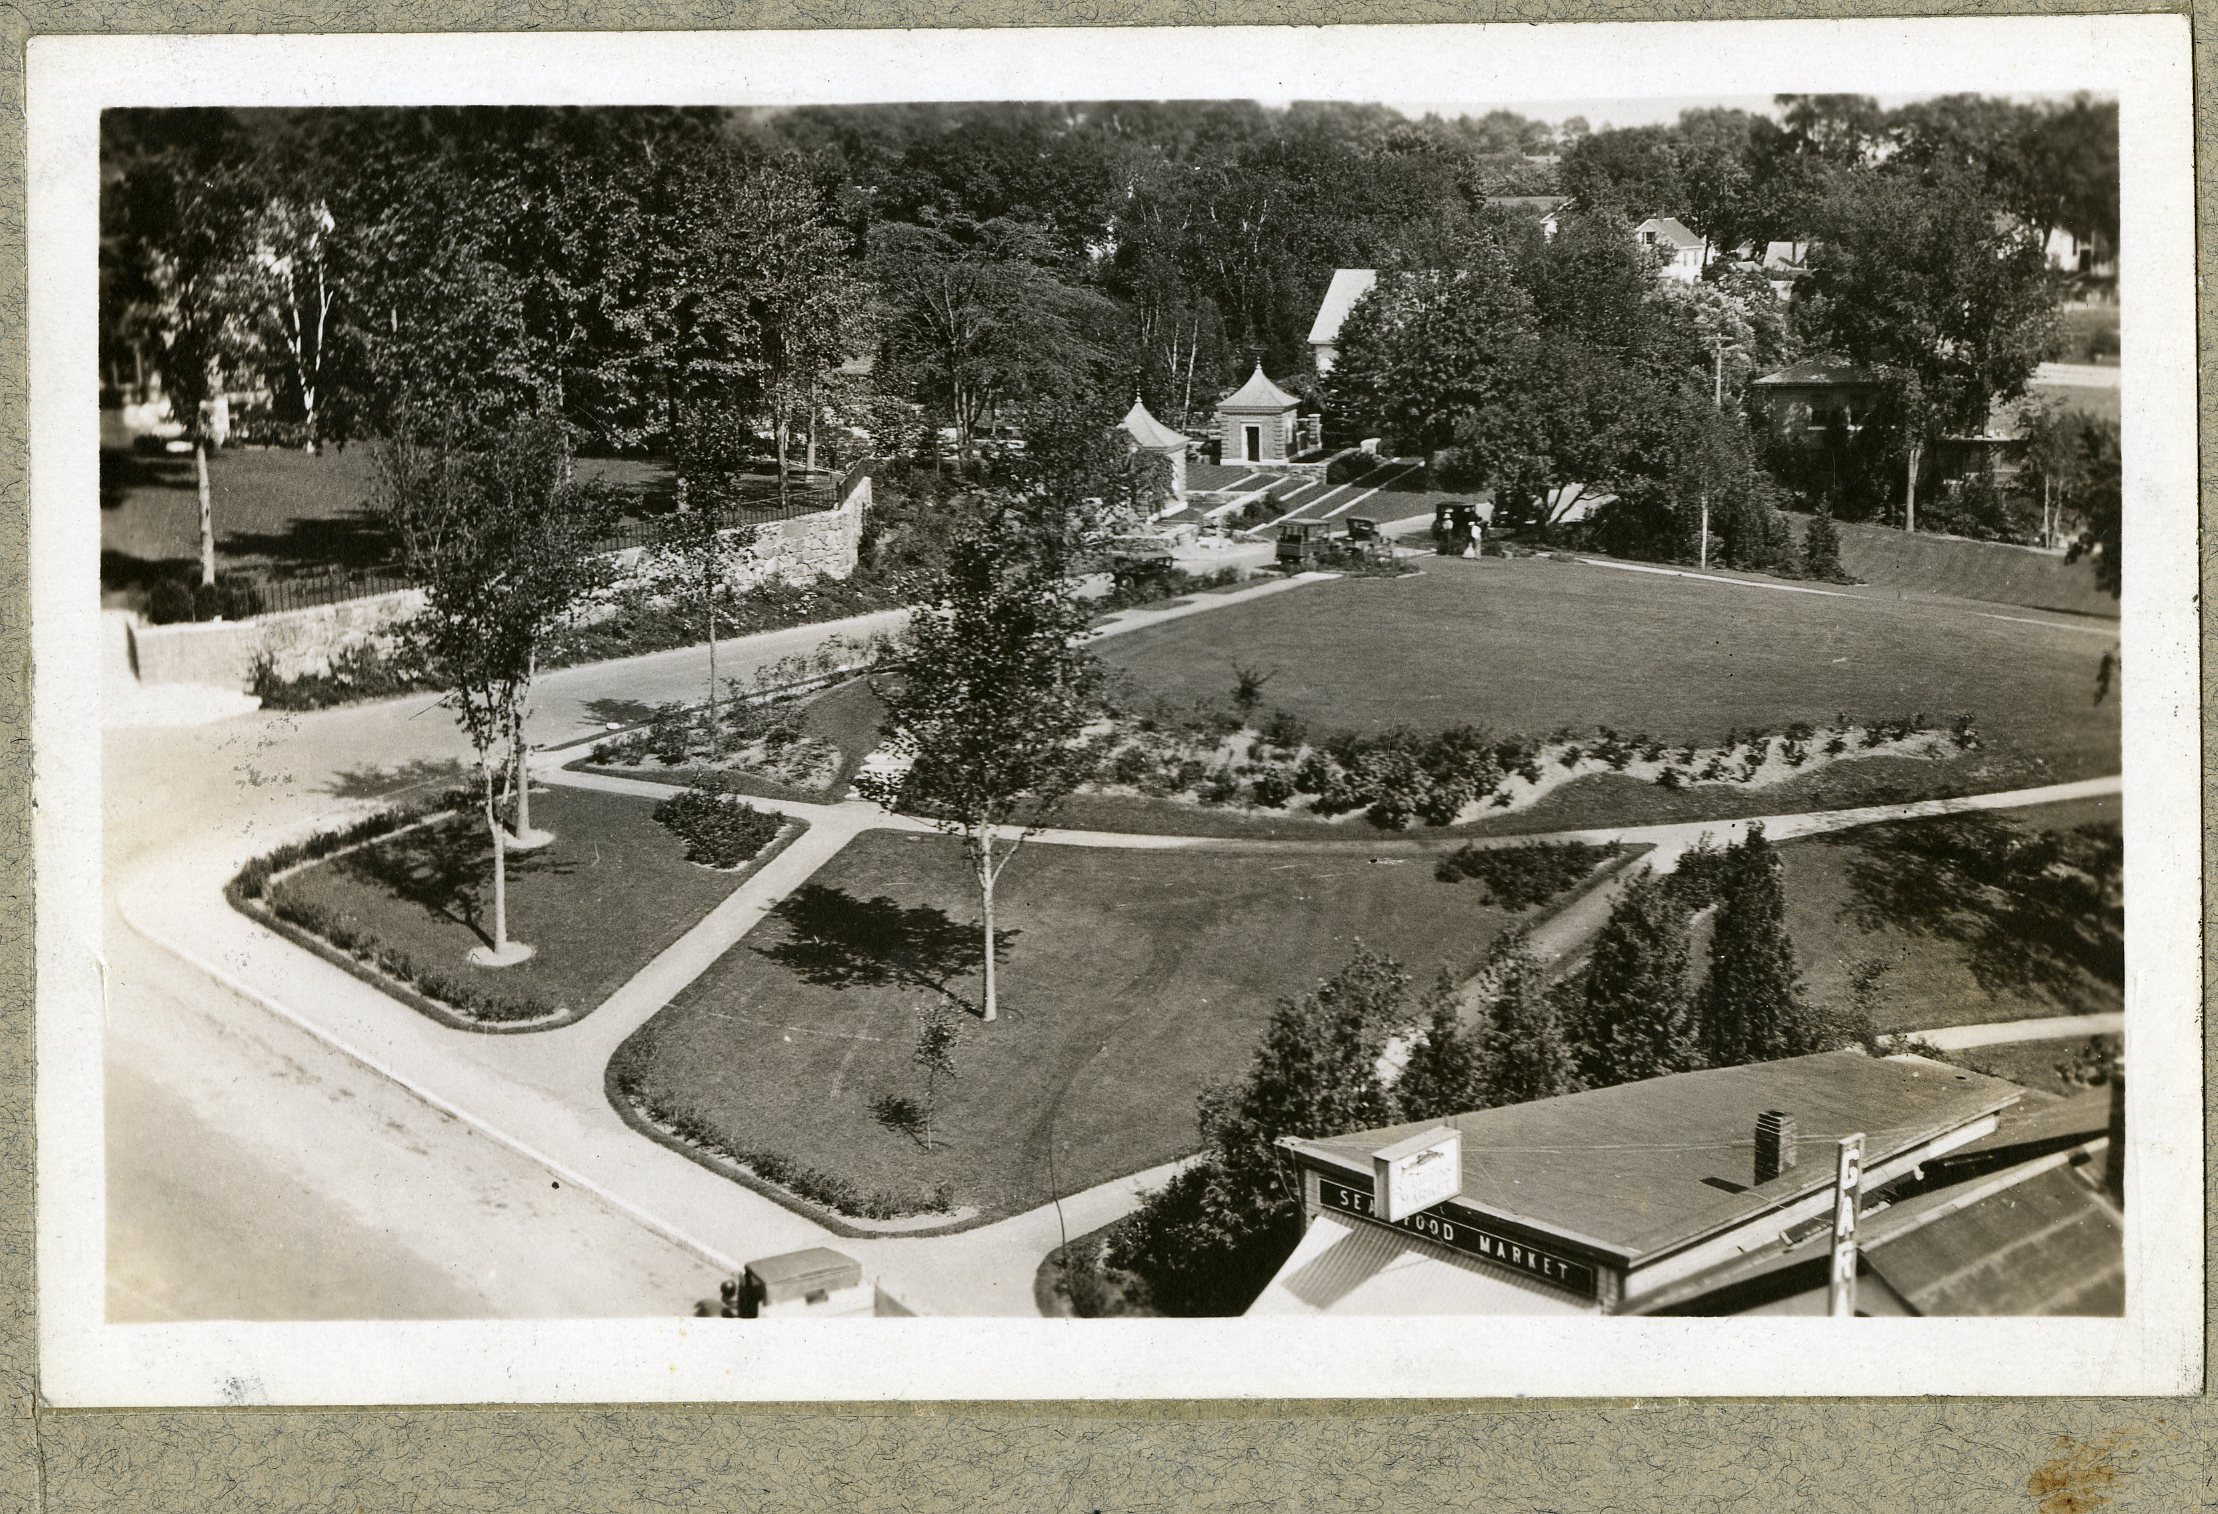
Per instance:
(1398,777)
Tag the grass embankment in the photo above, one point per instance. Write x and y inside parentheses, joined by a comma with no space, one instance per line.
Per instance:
(599,903)
(1887,559)
(1130,980)
(2004,915)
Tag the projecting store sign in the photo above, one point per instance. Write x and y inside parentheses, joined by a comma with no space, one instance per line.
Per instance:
(1467,1236)
(1415,1174)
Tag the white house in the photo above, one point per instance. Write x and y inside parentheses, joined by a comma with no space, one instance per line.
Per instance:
(1348,285)
(1684,254)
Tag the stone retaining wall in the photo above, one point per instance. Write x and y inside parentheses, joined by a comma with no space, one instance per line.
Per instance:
(221,653)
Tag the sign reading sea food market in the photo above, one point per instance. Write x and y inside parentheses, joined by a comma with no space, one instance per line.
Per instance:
(1467,1236)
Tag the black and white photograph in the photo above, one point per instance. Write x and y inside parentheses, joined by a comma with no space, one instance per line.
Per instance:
(1383,710)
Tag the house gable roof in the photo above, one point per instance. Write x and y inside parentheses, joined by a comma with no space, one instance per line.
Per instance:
(1348,285)
(1819,373)
(1670,229)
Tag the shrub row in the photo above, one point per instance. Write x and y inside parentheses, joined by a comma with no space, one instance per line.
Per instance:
(181,598)
(252,881)
(1400,777)
(1523,877)
(1152,580)
(464,998)
(363,671)
(718,830)
(833,1191)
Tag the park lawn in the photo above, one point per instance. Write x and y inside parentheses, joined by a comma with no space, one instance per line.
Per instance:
(1860,895)
(600,902)
(1889,560)
(278,512)
(1131,979)
(1532,644)
(2037,1065)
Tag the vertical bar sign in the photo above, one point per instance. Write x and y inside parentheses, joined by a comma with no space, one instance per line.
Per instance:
(1848,1182)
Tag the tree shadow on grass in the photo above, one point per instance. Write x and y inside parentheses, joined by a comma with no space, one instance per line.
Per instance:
(446,869)
(2032,911)
(418,775)
(836,940)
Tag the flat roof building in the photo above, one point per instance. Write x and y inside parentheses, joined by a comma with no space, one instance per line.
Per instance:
(1608,1201)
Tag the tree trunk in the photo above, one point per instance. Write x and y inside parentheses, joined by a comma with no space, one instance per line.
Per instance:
(783,422)
(523,788)
(500,870)
(716,730)
(207,512)
(985,890)
(1910,492)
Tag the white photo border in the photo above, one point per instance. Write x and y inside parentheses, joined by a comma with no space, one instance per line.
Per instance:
(2155,1349)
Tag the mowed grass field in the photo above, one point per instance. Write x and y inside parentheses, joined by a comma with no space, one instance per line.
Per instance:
(1955,954)
(1130,980)
(1527,645)
(277,512)
(599,902)
(1888,560)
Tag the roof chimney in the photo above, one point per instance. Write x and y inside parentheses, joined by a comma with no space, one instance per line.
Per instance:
(1774,1144)
(2114,1169)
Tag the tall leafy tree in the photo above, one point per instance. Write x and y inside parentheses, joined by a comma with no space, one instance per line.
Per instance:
(1209,1240)
(995,687)
(1636,1012)
(1524,1051)
(978,316)
(1445,1073)
(181,220)
(501,535)
(1751,1007)
(1945,299)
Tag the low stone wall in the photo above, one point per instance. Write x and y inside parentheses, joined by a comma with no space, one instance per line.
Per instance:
(223,653)
(824,544)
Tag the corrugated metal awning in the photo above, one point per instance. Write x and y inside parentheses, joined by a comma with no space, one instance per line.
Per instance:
(1348,1267)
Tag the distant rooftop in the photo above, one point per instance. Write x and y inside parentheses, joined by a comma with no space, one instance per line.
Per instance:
(1348,285)
(1818,372)
(1646,1167)
(1146,430)
(1544,205)
(1258,393)
(1670,229)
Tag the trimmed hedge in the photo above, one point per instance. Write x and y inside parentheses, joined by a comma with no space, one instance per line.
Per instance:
(717,829)
(1522,877)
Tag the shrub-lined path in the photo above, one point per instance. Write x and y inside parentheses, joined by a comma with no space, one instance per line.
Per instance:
(183,820)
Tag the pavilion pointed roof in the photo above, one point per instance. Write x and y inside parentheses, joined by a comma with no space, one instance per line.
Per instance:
(1150,432)
(1258,393)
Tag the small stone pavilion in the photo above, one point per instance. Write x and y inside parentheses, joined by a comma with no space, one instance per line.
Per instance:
(1255,422)
(1151,435)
